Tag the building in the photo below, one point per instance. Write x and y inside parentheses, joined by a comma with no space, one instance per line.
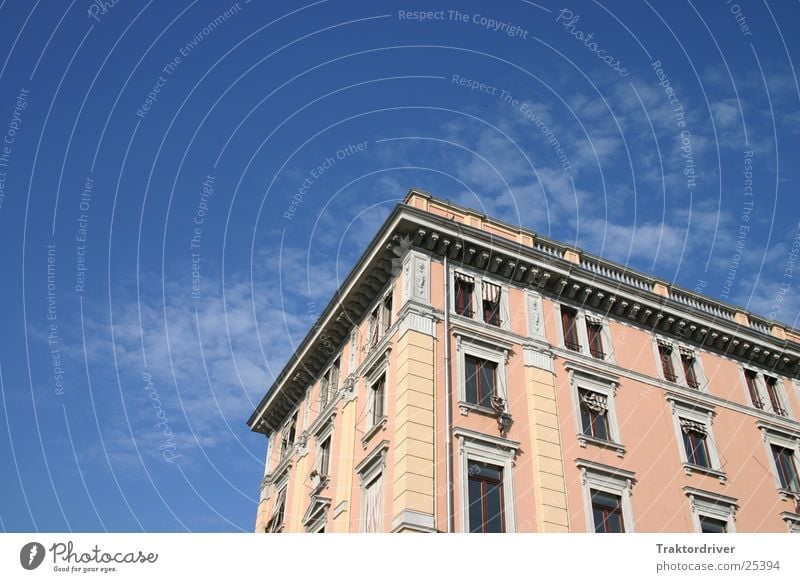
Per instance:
(470,375)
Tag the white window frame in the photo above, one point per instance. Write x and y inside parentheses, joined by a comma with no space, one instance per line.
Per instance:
(611,480)
(282,485)
(761,386)
(371,468)
(699,412)
(481,448)
(469,345)
(677,364)
(581,317)
(605,384)
(381,367)
(775,436)
(379,319)
(330,378)
(713,505)
(477,298)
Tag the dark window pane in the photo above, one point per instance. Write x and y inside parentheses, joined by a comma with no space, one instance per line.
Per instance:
(485,471)
(607,512)
(475,506)
(471,367)
(487,384)
(494,508)
(711,525)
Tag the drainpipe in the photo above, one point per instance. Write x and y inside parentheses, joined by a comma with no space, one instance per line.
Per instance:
(448,413)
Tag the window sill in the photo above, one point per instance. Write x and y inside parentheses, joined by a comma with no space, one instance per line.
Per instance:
(319,483)
(375,429)
(788,494)
(466,407)
(690,468)
(585,439)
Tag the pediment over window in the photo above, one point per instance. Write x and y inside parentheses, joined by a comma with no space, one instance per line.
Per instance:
(316,513)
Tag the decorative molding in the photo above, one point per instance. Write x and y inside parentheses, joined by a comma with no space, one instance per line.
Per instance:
(689,468)
(535,314)
(376,455)
(340,509)
(380,426)
(585,439)
(414,320)
(539,359)
(412,520)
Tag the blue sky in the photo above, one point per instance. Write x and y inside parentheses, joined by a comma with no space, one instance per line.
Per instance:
(198,186)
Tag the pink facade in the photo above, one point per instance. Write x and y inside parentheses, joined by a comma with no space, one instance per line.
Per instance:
(583,396)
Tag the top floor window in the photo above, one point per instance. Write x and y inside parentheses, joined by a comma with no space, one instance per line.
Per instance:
(464,289)
(569,326)
(665,354)
(765,392)
(594,331)
(491,303)
(774,396)
(329,384)
(288,437)
(689,370)
(477,298)
(380,320)
(752,389)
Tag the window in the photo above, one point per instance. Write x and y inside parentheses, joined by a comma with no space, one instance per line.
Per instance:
(386,313)
(786,468)
(711,525)
(481,374)
(481,380)
(752,389)
(479,299)
(568,326)
(370,473)
(765,392)
(594,331)
(288,437)
(665,354)
(594,419)
(694,442)
(275,523)
(329,384)
(693,428)
(485,486)
(595,413)
(607,512)
(688,361)
(774,397)
(373,505)
(324,460)
(711,512)
(491,303)
(464,288)
(377,400)
(607,491)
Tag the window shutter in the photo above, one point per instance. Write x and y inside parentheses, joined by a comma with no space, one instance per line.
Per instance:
(597,403)
(688,425)
(491,292)
(373,505)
